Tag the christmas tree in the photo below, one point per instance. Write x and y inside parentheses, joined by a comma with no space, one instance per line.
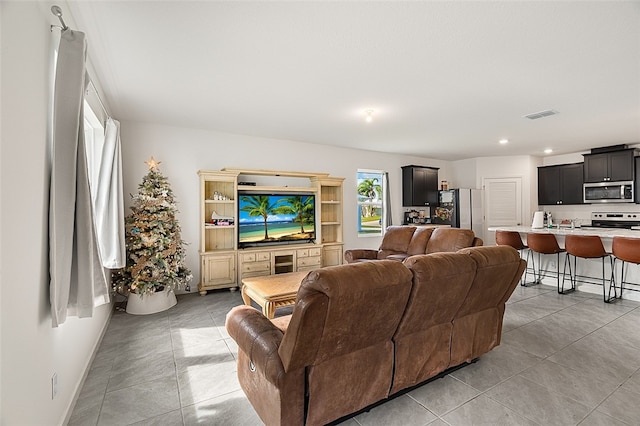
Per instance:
(155,250)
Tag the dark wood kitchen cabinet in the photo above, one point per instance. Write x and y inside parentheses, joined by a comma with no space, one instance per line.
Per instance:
(561,184)
(609,166)
(419,186)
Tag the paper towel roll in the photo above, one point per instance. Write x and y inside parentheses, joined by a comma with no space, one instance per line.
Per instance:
(538,220)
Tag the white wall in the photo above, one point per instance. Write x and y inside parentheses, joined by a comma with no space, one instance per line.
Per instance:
(30,349)
(185,151)
(464,174)
(470,173)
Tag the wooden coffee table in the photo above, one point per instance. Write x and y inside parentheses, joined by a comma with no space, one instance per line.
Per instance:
(272,291)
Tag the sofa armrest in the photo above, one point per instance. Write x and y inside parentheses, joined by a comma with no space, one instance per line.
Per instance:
(354,255)
(259,339)
(477,242)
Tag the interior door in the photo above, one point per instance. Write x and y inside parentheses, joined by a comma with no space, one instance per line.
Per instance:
(503,204)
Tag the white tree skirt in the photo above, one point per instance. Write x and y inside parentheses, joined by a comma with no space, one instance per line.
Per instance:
(150,303)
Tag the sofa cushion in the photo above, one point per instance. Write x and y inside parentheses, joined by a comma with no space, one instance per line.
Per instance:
(498,272)
(329,309)
(340,332)
(282,322)
(419,240)
(396,239)
(449,240)
(422,342)
(497,265)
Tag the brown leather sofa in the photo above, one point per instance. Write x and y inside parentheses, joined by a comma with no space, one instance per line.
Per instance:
(400,242)
(362,332)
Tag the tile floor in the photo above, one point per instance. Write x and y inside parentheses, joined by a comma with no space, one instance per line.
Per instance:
(564,360)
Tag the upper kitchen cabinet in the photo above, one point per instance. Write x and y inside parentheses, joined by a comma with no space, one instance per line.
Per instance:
(561,184)
(613,166)
(419,186)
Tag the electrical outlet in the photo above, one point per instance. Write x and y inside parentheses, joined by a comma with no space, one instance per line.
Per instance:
(54,385)
(553,265)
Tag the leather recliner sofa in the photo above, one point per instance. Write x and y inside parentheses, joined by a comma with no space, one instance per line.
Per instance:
(362,332)
(400,242)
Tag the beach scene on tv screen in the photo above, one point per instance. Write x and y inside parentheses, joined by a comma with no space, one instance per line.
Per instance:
(276,218)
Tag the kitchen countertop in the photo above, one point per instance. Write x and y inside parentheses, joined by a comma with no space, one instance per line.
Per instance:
(562,231)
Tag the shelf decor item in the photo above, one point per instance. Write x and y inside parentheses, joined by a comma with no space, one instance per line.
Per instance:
(155,251)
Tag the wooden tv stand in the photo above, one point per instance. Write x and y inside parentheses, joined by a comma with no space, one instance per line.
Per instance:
(224,265)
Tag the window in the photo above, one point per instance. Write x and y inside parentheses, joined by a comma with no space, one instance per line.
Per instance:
(93,141)
(371,192)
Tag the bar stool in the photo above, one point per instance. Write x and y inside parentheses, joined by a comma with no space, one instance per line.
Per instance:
(587,247)
(513,239)
(544,244)
(628,250)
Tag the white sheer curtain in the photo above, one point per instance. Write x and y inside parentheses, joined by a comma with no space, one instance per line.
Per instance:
(77,281)
(108,203)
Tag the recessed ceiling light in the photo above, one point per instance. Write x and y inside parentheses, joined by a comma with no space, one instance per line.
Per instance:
(548,151)
(503,141)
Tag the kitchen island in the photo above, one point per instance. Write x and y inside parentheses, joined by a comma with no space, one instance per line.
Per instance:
(606,234)
(589,270)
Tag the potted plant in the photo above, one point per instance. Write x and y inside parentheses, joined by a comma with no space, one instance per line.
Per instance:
(155,251)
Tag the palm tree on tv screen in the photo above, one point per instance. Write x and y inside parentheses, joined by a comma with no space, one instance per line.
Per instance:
(299,206)
(260,205)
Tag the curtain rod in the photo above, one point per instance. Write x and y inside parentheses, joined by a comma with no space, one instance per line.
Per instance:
(55,9)
(99,98)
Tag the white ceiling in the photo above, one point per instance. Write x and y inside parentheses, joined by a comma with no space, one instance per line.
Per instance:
(447,79)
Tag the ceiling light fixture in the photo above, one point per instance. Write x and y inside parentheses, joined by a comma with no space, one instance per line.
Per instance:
(503,141)
(548,151)
(368,115)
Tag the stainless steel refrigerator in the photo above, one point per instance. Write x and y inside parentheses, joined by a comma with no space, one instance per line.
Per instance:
(461,208)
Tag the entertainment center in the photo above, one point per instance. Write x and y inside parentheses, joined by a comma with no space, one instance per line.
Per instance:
(266,222)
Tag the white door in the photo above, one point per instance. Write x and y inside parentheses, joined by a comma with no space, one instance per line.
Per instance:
(503,204)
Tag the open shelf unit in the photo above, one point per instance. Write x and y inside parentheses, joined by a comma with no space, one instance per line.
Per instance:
(218,193)
(330,234)
(223,265)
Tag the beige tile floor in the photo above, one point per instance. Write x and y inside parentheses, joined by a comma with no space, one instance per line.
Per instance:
(564,360)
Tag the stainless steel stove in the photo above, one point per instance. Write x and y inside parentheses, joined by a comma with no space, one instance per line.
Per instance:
(625,220)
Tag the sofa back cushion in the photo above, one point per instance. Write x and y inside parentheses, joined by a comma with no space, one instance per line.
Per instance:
(441,282)
(340,333)
(342,309)
(396,240)
(449,240)
(499,270)
(477,326)
(419,240)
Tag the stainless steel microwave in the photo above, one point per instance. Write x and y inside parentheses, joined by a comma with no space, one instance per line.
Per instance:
(608,192)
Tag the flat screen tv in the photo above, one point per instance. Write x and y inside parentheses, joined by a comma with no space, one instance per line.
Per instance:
(283,218)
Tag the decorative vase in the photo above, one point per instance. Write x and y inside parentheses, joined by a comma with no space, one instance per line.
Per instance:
(151,303)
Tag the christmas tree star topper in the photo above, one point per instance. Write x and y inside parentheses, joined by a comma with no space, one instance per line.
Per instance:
(152,163)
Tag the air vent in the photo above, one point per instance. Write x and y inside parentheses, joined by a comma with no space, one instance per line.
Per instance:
(541,114)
